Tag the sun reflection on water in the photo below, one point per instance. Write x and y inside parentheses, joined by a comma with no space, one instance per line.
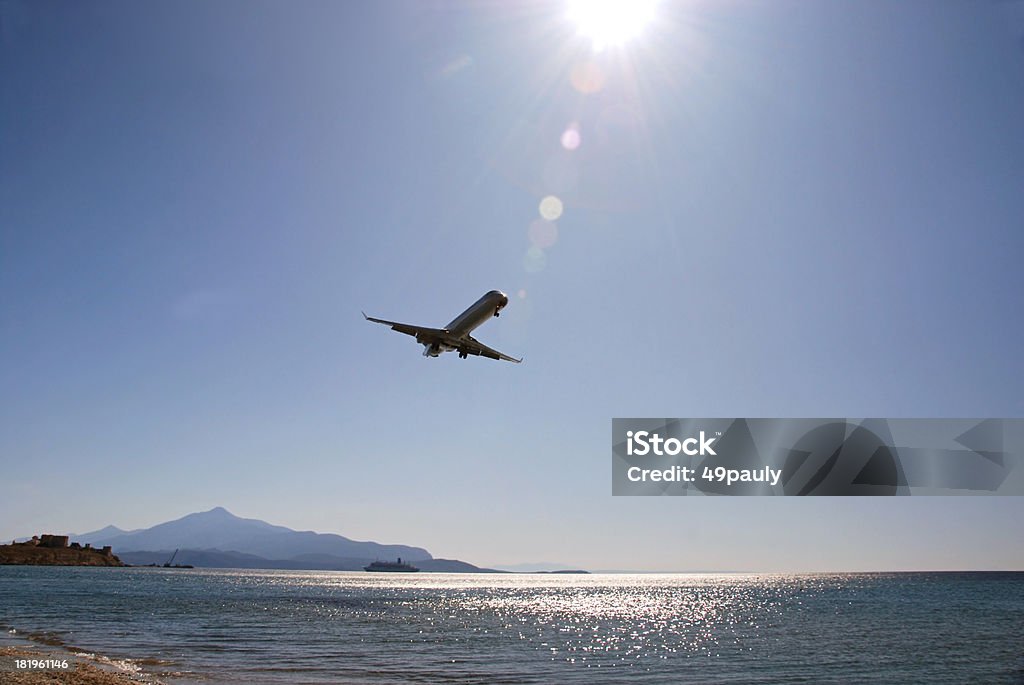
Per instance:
(317,626)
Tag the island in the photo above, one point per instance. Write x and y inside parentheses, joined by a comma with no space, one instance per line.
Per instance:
(54,550)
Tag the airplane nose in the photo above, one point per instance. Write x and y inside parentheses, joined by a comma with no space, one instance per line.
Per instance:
(504,299)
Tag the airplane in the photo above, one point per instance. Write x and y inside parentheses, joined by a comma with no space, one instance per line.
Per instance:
(455,337)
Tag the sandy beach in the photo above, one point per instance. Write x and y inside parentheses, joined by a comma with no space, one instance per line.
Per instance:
(84,672)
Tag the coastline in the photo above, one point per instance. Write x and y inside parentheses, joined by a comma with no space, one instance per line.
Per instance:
(86,668)
(290,628)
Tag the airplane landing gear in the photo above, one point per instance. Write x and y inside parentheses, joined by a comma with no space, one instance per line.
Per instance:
(463,355)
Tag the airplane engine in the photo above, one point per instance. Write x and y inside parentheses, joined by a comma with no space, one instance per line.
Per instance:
(431,350)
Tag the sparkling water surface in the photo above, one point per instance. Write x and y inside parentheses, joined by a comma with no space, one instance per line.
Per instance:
(234,626)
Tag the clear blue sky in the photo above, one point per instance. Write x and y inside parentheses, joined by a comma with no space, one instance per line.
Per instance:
(774,209)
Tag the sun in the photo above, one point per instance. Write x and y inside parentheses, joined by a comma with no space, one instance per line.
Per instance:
(610,22)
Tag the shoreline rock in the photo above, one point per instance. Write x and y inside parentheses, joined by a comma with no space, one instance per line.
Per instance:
(82,672)
(54,550)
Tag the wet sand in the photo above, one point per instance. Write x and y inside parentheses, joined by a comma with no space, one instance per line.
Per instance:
(84,672)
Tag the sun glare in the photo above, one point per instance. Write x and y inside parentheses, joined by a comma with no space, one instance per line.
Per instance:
(610,22)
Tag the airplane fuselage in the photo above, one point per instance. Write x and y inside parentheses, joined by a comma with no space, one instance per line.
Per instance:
(465,323)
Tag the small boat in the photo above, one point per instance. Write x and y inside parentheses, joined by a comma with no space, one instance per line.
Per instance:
(391,567)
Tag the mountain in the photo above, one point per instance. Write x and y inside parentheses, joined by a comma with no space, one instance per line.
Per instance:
(221,531)
(219,539)
(316,562)
(213,558)
(101,534)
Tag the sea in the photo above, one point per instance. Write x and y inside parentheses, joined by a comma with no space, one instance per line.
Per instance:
(289,627)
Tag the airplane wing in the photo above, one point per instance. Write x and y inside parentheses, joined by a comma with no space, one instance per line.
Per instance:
(471,345)
(421,333)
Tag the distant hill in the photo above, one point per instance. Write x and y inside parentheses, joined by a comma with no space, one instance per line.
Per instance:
(451,566)
(535,567)
(221,531)
(101,534)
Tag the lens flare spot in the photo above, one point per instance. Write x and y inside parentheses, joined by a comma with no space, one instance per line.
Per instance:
(535,260)
(522,293)
(551,208)
(543,233)
(571,137)
(587,77)
(456,65)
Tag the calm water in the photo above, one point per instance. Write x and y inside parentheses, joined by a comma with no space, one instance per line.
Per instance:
(316,627)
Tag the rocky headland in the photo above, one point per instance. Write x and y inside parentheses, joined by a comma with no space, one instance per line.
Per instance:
(55,550)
